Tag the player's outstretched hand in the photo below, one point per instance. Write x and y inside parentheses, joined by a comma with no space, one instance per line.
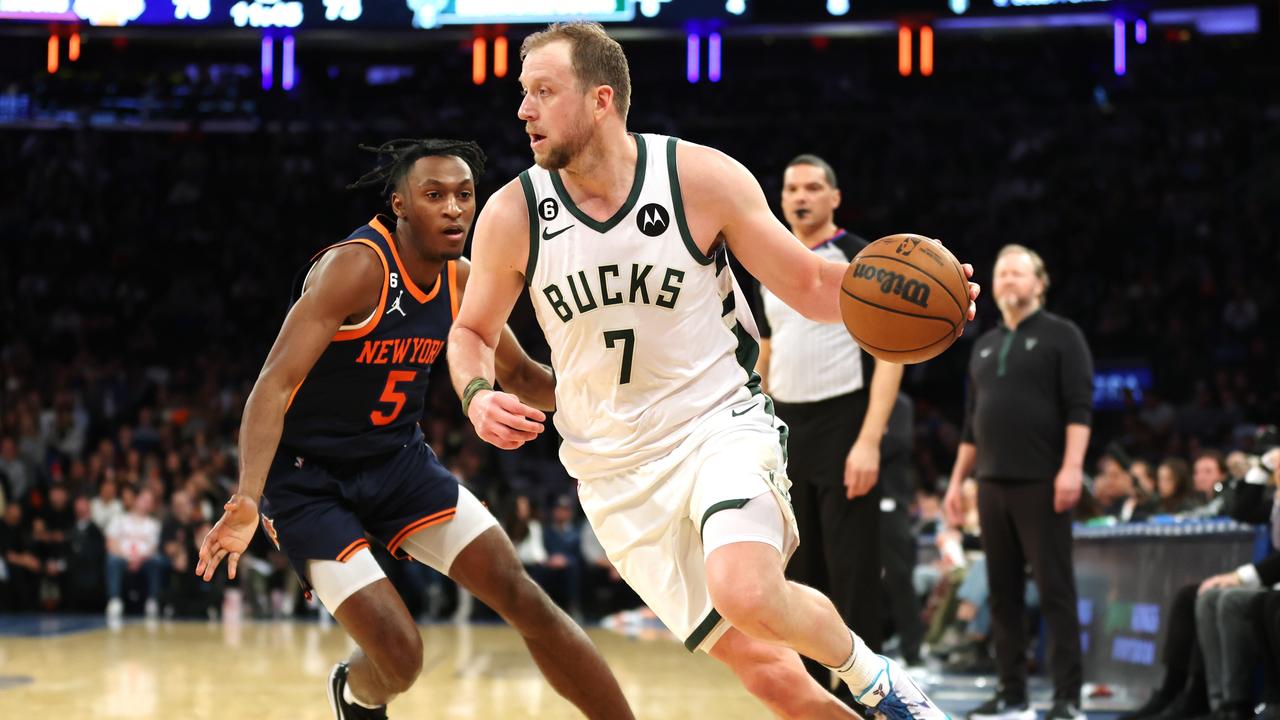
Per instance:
(503,421)
(974,290)
(229,537)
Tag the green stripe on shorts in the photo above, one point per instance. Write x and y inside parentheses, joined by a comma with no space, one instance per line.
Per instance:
(722,505)
(701,632)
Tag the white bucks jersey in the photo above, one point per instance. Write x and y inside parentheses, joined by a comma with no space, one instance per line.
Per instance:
(647,333)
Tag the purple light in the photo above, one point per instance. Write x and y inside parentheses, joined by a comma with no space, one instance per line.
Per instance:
(1140,31)
(1235,20)
(286,70)
(268,72)
(692,66)
(713,57)
(1119,26)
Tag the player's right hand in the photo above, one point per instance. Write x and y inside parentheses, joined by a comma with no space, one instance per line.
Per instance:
(953,505)
(229,538)
(503,421)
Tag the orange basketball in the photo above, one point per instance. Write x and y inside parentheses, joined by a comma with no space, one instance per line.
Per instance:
(904,298)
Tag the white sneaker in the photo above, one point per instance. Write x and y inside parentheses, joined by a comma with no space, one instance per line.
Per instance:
(892,694)
(152,609)
(115,609)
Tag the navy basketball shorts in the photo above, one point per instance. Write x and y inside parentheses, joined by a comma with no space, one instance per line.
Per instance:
(326,510)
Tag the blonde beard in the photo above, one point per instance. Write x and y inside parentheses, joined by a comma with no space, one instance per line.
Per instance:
(559,158)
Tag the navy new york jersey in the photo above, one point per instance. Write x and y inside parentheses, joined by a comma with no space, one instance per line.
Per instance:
(365,395)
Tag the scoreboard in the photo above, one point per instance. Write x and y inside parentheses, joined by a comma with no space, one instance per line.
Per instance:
(358,14)
(428,14)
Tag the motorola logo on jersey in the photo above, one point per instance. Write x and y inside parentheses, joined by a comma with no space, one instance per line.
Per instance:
(653,219)
(548,209)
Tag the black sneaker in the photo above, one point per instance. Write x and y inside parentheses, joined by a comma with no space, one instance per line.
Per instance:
(343,710)
(1064,710)
(1159,700)
(1002,708)
(1188,704)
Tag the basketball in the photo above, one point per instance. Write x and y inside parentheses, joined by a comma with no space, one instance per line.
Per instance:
(904,298)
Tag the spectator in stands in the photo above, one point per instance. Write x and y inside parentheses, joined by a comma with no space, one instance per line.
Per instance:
(1194,616)
(525,531)
(1229,623)
(1238,464)
(84,582)
(51,524)
(1175,495)
(1145,476)
(177,542)
(1209,477)
(106,506)
(20,476)
(563,541)
(133,550)
(20,568)
(1114,488)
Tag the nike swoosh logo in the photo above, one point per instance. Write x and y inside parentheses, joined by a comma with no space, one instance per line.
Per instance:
(548,235)
(744,412)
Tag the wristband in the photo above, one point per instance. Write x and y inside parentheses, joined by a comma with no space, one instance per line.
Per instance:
(473,387)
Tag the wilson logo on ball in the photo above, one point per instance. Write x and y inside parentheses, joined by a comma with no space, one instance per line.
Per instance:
(892,283)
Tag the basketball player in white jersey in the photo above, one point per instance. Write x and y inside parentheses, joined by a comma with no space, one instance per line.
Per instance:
(621,240)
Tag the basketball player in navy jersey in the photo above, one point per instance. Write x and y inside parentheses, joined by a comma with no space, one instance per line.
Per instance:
(331,451)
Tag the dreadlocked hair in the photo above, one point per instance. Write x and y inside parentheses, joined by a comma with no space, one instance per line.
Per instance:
(396,157)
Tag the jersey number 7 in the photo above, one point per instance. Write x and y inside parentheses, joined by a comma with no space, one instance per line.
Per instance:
(628,339)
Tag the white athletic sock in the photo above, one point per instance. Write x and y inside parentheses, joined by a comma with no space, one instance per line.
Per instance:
(350,697)
(860,670)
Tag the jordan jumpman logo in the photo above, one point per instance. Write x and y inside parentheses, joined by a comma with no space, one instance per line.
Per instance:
(396,305)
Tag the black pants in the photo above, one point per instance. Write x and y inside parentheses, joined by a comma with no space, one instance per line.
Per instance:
(1020,527)
(1183,662)
(898,552)
(839,551)
(1269,625)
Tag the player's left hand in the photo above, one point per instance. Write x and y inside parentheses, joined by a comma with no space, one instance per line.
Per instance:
(501,420)
(861,469)
(1066,488)
(229,537)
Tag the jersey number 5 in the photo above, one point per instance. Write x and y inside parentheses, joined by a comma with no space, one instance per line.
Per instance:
(393,396)
(628,338)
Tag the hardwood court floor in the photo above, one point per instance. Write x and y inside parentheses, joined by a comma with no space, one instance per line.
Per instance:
(181,670)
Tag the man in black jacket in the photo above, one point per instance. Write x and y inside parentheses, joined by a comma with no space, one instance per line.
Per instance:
(1026,428)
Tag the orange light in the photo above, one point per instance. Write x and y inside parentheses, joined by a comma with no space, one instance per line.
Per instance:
(904,51)
(477,61)
(73,47)
(52,63)
(500,56)
(926,51)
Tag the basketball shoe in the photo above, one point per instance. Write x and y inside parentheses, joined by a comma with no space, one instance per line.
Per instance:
(893,695)
(343,710)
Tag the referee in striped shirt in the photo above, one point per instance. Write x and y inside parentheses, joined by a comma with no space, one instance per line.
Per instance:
(837,401)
